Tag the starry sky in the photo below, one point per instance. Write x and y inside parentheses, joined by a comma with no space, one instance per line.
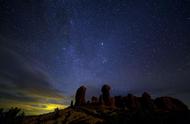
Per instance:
(48,48)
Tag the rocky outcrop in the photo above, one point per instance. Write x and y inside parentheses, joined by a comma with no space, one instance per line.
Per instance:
(94,100)
(147,102)
(119,102)
(80,96)
(101,101)
(106,94)
(112,102)
(129,109)
(132,102)
(170,104)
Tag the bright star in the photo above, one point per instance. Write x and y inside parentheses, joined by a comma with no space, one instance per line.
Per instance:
(102,43)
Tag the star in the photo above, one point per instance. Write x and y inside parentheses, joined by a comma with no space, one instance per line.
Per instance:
(102,44)
(63,48)
(104,61)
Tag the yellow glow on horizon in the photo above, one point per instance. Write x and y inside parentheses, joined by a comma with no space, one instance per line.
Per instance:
(29,109)
(47,109)
(54,106)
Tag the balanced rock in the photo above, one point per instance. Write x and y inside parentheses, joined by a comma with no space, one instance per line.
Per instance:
(80,96)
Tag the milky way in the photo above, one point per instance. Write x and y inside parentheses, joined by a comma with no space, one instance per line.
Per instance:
(134,46)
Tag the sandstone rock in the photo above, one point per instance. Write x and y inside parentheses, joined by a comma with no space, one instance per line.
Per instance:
(106,94)
(88,102)
(119,102)
(112,102)
(80,96)
(132,102)
(170,104)
(101,101)
(94,100)
(146,101)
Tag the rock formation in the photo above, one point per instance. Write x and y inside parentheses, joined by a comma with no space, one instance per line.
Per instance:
(132,102)
(119,102)
(170,104)
(106,94)
(101,101)
(128,109)
(80,96)
(147,101)
(94,100)
(112,102)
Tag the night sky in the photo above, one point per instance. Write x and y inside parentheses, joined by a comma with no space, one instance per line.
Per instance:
(48,48)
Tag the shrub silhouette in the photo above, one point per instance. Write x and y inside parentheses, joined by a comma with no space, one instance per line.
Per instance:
(12,116)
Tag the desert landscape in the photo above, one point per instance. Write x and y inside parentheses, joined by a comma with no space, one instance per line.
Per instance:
(107,109)
(94,61)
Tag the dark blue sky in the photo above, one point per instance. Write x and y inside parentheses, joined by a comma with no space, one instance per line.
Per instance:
(54,46)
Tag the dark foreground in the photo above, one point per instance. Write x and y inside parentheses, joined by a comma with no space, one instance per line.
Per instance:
(106,115)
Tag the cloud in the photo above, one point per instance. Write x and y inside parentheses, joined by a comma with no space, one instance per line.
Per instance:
(39,106)
(23,81)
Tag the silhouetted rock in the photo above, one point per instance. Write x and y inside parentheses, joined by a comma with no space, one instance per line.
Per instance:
(80,96)
(71,103)
(106,94)
(94,100)
(88,102)
(170,104)
(146,101)
(119,102)
(112,102)
(101,101)
(132,102)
